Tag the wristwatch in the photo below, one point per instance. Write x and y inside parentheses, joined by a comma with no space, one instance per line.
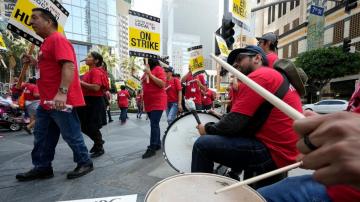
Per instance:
(63,90)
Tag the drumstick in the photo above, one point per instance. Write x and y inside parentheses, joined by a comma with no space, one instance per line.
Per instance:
(260,177)
(278,103)
(190,105)
(146,76)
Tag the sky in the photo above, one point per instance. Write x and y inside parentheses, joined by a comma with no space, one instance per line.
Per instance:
(150,7)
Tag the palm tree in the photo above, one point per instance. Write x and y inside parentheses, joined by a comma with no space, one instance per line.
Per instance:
(130,66)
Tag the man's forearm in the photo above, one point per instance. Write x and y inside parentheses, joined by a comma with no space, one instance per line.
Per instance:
(67,74)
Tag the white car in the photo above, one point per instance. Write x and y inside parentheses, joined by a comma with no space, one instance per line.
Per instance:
(327,106)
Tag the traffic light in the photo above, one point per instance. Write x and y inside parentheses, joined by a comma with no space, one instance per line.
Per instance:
(346,45)
(227,32)
(350,4)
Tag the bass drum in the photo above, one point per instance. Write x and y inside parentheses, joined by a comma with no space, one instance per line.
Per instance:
(180,137)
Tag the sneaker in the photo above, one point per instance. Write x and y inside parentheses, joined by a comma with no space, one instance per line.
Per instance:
(34,174)
(28,130)
(149,153)
(80,170)
(97,153)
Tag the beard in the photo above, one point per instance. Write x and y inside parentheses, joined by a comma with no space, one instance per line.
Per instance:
(247,69)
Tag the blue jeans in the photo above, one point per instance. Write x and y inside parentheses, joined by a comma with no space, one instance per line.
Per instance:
(234,152)
(171,111)
(155,117)
(123,114)
(49,124)
(140,110)
(299,189)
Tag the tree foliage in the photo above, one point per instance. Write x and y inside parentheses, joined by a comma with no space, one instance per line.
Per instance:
(322,65)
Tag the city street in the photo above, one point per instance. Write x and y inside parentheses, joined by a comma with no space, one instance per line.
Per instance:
(121,171)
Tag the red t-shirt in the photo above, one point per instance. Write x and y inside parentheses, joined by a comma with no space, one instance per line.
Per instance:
(277,132)
(55,49)
(341,193)
(208,97)
(272,58)
(193,89)
(173,87)
(155,98)
(123,98)
(29,91)
(94,76)
(16,91)
(139,99)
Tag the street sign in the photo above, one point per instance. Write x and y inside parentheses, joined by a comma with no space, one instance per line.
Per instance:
(196,63)
(316,10)
(19,21)
(144,35)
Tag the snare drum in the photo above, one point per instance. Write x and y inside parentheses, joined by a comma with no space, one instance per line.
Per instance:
(200,187)
(180,137)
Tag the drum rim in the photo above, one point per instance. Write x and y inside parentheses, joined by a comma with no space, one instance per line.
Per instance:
(167,130)
(198,174)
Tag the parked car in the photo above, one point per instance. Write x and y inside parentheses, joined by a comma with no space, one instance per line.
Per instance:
(327,106)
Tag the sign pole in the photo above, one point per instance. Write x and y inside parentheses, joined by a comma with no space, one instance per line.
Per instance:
(25,68)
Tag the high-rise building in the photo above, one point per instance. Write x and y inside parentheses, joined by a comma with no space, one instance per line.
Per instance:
(91,23)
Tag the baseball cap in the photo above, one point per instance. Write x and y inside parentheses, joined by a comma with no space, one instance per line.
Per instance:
(268,37)
(169,69)
(248,50)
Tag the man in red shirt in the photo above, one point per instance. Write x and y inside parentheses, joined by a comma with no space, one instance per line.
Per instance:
(268,42)
(123,97)
(174,95)
(335,159)
(59,88)
(208,97)
(232,142)
(194,85)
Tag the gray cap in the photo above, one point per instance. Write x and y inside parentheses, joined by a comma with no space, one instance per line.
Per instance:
(268,37)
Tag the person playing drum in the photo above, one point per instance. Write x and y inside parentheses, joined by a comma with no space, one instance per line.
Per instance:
(232,142)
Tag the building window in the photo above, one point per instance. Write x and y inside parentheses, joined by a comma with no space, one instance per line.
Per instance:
(297,3)
(279,10)
(294,49)
(357,46)
(338,32)
(273,14)
(284,8)
(286,51)
(276,32)
(292,5)
(286,28)
(355,26)
(295,23)
(269,15)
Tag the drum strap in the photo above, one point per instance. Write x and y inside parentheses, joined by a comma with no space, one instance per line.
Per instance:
(262,113)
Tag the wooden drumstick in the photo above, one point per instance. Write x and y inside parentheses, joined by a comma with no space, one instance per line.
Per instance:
(260,177)
(146,76)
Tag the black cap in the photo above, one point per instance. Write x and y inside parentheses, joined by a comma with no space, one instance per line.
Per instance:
(248,50)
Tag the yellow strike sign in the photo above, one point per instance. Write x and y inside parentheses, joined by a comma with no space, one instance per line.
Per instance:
(222,46)
(132,84)
(241,9)
(196,63)
(19,21)
(83,69)
(2,44)
(144,40)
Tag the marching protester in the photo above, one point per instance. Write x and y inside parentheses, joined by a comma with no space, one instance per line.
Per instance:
(58,82)
(32,100)
(268,42)
(107,99)
(94,83)
(208,97)
(194,85)
(154,102)
(174,95)
(123,97)
(332,150)
(139,103)
(249,137)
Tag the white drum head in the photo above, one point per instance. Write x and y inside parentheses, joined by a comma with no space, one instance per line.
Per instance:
(199,187)
(179,140)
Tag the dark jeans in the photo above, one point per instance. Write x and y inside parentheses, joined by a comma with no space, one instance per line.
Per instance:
(235,152)
(198,107)
(123,114)
(140,110)
(109,114)
(207,107)
(155,117)
(49,124)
